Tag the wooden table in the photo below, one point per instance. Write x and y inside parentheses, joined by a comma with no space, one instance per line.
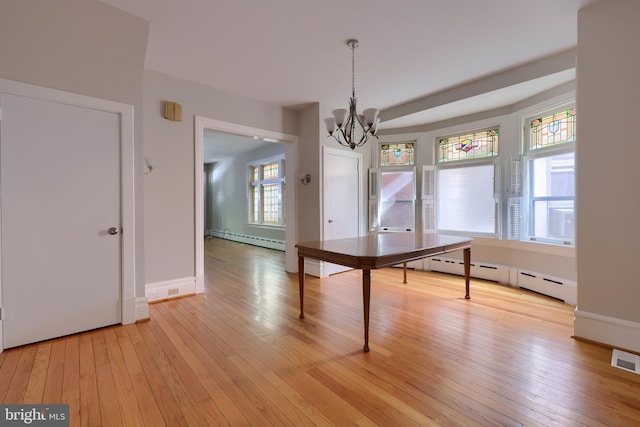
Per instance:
(377,251)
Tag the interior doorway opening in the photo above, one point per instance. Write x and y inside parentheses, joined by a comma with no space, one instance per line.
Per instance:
(206,124)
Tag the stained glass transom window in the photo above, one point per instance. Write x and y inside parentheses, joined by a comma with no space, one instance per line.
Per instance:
(400,154)
(554,129)
(468,146)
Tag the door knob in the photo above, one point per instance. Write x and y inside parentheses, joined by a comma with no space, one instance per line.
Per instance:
(330,221)
(113,230)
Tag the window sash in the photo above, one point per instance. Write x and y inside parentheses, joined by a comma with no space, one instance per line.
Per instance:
(266,193)
(467,199)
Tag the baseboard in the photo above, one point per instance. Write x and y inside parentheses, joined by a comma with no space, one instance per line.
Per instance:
(170,289)
(611,331)
(313,267)
(142,309)
(263,242)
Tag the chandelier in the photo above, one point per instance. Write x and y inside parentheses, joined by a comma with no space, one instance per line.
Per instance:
(346,126)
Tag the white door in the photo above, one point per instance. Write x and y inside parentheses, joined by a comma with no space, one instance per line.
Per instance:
(60,195)
(341,197)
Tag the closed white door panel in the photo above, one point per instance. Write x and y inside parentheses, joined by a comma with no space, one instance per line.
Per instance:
(60,183)
(341,198)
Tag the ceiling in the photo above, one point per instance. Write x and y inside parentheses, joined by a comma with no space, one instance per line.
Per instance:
(419,61)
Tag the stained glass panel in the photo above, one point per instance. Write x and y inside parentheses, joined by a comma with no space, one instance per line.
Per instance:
(468,146)
(400,154)
(554,129)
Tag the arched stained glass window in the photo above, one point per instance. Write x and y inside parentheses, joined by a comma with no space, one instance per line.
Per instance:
(468,146)
(553,129)
(399,154)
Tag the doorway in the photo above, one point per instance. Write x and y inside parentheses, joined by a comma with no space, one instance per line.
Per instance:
(291,147)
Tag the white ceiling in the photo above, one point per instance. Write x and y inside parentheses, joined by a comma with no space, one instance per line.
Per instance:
(292,52)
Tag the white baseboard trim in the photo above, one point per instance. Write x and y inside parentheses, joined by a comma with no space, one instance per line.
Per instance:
(129,310)
(263,242)
(170,289)
(321,269)
(142,308)
(607,330)
(199,283)
(313,267)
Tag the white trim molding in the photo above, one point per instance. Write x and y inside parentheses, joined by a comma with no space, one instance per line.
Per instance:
(607,330)
(142,308)
(170,289)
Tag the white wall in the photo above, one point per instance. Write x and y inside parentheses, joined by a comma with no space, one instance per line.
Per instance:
(608,206)
(71,45)
(169,192)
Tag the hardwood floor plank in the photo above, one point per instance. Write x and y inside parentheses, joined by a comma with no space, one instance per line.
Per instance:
(90,409)
(128,400)
(11,358)
(112,413)
(187,392)
(160,387)
(22,375)
(71,391)
(141,391)
(55,374)
(38,376)
(226,410)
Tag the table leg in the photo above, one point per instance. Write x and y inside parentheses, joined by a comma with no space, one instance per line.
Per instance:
(404,272)
(366,297)
(301,284)
(467,271)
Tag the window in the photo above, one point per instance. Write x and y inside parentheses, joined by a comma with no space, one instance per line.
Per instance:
(267,192)
(550,178)
(392,208)
(466,181)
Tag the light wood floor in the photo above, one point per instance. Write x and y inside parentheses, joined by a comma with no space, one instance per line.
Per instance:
(238,355)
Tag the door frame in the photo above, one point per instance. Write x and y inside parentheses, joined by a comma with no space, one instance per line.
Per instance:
(291,166)
(127,173)
(326,268)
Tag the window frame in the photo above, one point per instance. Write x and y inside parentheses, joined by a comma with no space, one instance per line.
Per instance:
(493,160)
(375,186)
(255,191)
(527,225)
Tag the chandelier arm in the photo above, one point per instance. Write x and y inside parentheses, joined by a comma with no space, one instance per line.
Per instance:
(342,134)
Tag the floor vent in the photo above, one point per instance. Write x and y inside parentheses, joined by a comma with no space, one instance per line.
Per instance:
(627,361)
